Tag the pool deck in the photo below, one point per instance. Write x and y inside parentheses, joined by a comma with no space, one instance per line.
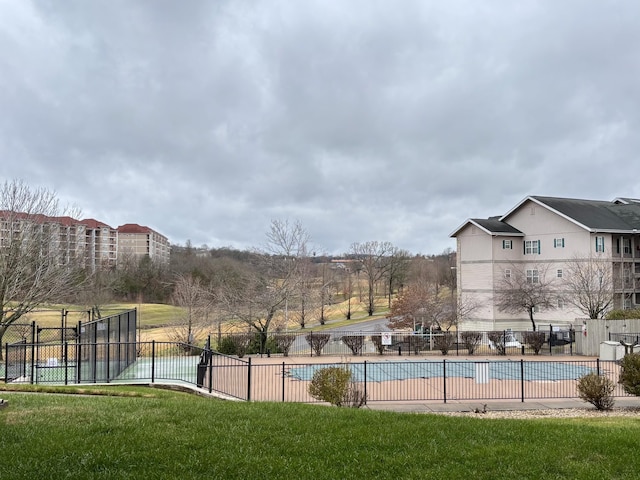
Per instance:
(493,405)
(440,406)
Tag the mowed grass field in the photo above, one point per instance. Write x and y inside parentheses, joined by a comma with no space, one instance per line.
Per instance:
(157,321)
(147,433)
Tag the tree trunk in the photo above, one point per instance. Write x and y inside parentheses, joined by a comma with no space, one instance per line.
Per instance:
(533,323)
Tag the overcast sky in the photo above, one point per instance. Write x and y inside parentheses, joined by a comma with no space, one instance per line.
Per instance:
(362,119)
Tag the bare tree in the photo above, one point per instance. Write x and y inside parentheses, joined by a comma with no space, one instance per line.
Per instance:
(327,280)
(97,290)
(421,305)
(34,269)
(346,282)
(524,289)
(264,290)
(195,300)
(373,260)
(589,284)
(396,271)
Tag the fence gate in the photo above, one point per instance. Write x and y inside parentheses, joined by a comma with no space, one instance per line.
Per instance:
(16,361)
(56,334)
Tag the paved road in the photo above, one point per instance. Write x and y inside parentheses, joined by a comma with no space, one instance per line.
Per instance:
(373,326)
(377,325)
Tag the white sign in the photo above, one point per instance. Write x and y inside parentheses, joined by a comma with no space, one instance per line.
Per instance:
(386,339)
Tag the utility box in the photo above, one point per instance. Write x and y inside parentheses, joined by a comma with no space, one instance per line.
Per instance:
(611,351)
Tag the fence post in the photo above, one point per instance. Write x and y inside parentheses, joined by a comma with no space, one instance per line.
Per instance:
(283,377)
(66,361)
(311,342)
(522,379)
(108,355)
(34,360)
(249,380)
(550,333)
(444,379)
(78,360)
(210,370)
(153,360)
(598,366)
(6,363)
(365,382)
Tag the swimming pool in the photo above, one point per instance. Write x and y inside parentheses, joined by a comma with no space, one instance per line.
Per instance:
(496,370)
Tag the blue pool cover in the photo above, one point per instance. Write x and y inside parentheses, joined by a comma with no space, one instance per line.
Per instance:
(506,370)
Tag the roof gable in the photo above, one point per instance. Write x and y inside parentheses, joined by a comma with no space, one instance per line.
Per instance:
(622,215)
(491,226)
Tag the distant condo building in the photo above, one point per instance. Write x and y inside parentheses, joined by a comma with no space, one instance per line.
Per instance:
(96,243)
(139,241)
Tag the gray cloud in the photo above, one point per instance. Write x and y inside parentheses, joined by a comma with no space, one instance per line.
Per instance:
(363,120)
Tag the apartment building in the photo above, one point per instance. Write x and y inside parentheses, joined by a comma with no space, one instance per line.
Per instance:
(546,234)
(139,241)
(94,242)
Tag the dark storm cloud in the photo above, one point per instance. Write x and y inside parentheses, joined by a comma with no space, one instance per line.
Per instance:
(364,120)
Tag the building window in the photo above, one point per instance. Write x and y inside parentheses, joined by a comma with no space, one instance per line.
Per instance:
(560,303)
(507,273)
(533,276)
(507,244)
(558,243)
(559,273)
(599,244)
(532,247)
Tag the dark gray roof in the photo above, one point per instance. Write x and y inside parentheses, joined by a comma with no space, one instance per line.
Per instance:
(597,214)
(494,225)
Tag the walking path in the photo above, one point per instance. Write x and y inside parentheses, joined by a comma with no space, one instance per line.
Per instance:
(494,405)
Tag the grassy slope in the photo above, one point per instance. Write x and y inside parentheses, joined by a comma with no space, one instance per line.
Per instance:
(152,314)
(161,434)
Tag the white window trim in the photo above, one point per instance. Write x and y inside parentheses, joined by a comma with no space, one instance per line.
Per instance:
(532,247)
(533,275)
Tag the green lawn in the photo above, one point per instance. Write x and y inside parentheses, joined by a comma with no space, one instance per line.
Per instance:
(152,434)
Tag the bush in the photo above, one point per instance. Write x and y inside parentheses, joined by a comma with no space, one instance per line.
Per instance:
(497,339)
(535,340)
(596,390)
(317,341)
(335,386)
(444,342)
(630,373)
(270,345)
(354,342)
(283,342)
(377,342)
(235,344)
(471,340)
(623,314)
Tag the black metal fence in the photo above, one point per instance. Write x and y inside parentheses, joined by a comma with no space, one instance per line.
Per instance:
(98,352)
(261,379)
(547,341)
(422,380)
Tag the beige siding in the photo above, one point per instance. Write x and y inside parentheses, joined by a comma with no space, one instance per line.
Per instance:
(482,261)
